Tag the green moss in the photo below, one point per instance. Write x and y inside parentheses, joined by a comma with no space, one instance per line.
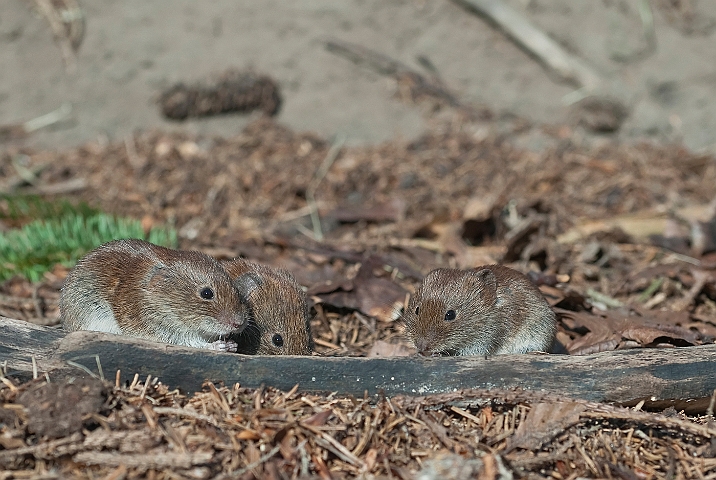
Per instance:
(63,234)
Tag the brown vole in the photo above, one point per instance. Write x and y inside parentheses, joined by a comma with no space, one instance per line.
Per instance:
(279,317)
(489,310)
(132,287)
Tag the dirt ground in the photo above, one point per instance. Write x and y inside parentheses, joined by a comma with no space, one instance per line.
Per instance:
(132,50)
(618,230)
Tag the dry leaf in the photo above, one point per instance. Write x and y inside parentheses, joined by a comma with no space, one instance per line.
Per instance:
(375,296)
(543,422)
(318,419)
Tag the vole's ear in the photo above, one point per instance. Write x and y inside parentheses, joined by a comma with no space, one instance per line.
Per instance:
(156,274)
(246,283)
(235,267)
(487,277)
(484,281)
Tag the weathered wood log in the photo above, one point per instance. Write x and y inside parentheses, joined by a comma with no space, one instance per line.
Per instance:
(21,341)
(658,376)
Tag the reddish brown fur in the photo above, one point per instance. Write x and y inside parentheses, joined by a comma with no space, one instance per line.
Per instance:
(136,288)
(497,310)
(277,305)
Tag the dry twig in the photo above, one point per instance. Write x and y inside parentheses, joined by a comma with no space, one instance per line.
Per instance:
(568,67)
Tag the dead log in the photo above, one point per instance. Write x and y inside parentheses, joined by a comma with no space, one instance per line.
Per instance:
(20,342)
(658,376)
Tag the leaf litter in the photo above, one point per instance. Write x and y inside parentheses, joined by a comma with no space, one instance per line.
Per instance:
(145,429)
(619,238)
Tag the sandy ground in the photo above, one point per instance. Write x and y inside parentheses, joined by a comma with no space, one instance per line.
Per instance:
(134,49)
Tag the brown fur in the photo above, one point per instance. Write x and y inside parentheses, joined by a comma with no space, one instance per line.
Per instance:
(135,288)
(497,310)
(277,306)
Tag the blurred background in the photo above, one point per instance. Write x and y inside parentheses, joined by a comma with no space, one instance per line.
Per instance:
(126,53)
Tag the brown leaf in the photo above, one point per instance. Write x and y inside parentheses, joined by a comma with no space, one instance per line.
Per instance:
(677,325)
(573,300)
(638,327)
(375,296)
(521,235)
(543,422)
(605,346)
(380,298)
(318,419)
(703,324)
(551,294)
(648,336)
(248,435)
(600,328)
(330,286)
(639,225)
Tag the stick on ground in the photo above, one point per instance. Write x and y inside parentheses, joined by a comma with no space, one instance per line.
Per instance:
(660,377)
(567,66)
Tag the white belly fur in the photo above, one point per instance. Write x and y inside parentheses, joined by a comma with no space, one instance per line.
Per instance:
(101,319)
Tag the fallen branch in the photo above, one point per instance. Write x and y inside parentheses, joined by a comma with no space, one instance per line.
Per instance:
(41,447)
(565,65)
(411,83)
(364,56)
(136,460)
(21,130)
(660,377)
(58,188)
(599,104)
(17,181)
(67,26)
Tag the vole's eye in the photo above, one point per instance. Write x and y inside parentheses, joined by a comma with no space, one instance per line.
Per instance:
(277,340)
(417,310)
(206,293)
(450,315)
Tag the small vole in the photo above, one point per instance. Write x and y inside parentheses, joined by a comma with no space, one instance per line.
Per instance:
(135,288)
(489,310)
(279,317)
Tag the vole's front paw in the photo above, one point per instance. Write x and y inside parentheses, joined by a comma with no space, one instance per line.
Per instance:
(224,346)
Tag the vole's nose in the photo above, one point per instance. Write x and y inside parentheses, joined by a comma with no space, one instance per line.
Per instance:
(425,343)
(424,346)
(237,322)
